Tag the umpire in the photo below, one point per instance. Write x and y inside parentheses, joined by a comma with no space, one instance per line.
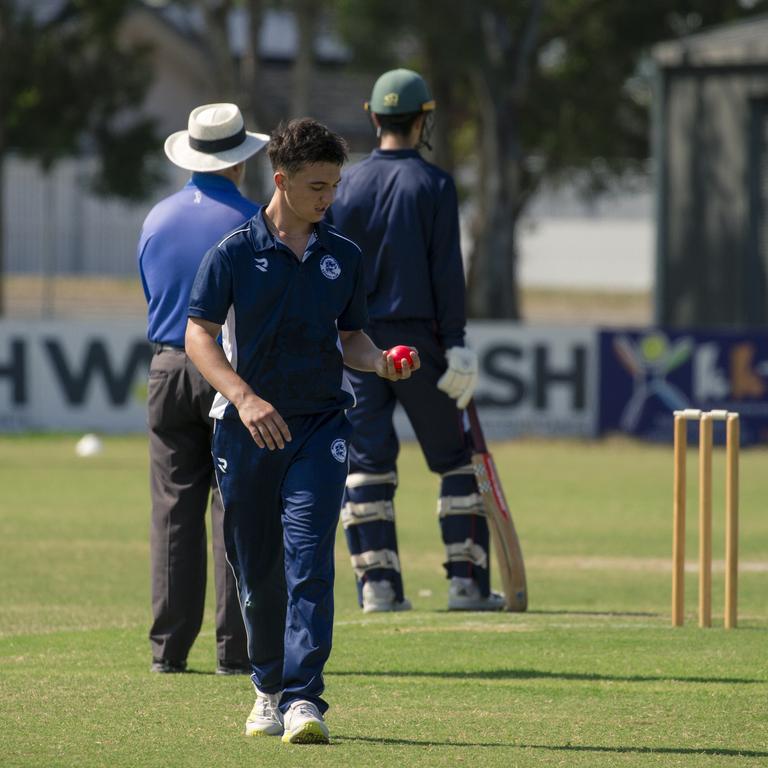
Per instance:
(175,236)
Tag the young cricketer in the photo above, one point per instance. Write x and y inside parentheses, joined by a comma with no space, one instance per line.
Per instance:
(286,291)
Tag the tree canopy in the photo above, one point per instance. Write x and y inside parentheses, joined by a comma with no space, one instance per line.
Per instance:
(528,92)
(67,88)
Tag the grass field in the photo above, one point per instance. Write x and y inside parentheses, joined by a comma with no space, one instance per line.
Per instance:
(592,675)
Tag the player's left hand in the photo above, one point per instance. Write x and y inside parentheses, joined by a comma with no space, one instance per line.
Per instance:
(386,366)
(460,380)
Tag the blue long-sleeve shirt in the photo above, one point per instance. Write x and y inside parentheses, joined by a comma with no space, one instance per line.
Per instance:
(176,235)
(403,213)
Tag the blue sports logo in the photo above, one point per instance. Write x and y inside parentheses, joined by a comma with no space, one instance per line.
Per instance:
(339,450)
(330,267)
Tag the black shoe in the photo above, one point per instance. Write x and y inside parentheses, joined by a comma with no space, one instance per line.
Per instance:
(166,666)
(233,668)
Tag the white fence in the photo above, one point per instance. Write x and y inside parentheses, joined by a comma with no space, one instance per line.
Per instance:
(55,225)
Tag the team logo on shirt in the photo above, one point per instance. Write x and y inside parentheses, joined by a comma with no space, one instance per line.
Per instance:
(339,450)
(261,264)
(330,267)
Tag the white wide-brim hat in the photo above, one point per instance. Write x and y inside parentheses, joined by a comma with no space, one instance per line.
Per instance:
(216,139)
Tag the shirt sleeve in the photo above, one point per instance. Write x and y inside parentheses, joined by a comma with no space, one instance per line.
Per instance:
(447,269)
(142,247)
(211,295)
(355,314)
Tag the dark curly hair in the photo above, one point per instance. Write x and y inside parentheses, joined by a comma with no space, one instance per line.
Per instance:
(304,141)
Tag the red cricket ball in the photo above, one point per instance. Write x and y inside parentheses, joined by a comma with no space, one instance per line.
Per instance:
(400,353)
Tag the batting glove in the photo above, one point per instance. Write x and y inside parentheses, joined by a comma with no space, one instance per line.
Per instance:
(460,380)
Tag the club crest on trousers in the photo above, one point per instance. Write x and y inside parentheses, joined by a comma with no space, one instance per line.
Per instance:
(339,450)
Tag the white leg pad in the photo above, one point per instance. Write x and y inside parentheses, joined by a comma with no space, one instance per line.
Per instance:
(357,513)
(471,504)
(467,469)
(375,558)
(467,552)
(358,479)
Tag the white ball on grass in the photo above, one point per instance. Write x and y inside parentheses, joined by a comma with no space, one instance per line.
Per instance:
(89,445)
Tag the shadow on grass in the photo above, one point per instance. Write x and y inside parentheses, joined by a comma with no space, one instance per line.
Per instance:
(537,674)
(569,612)
(615,614)
(719,751)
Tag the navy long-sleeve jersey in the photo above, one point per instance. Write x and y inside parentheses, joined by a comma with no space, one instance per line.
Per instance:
(403,213)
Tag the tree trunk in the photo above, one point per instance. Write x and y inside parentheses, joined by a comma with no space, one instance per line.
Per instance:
(250,71)
(500,83)
(257,116)
(445,125)
(492,282)
(2,233)
(4,12)
(216,13)
(306,13)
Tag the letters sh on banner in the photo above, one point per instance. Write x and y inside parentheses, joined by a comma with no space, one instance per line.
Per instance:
(536,380)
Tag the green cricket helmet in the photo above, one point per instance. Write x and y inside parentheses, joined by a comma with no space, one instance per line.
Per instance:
(400,92)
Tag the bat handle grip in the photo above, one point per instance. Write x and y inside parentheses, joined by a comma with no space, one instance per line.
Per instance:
(475,429)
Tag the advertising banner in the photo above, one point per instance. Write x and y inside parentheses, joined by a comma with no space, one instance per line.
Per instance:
(85,376)
(548,381)
(533,380)
(647,374)
(73,376)
(536,380)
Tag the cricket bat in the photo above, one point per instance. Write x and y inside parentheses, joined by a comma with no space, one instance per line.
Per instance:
(506,543)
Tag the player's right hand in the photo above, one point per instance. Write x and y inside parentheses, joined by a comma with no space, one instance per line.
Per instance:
(386,367)
(265,424)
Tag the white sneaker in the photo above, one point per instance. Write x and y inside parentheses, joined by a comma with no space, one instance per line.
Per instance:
(265,718)
(304,724)
(464,595)
(379,597)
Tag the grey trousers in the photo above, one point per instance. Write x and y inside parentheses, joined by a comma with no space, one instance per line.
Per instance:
(181,479)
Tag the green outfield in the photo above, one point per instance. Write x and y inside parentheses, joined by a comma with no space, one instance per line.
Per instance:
(592,675)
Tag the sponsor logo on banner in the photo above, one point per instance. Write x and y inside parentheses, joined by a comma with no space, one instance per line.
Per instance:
(646,375)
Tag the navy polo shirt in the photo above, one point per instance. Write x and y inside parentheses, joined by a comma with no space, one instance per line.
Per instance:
(403,213)
(281,316)
(176,234)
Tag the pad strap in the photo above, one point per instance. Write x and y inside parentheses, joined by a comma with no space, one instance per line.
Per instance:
(357,513)
(375,559)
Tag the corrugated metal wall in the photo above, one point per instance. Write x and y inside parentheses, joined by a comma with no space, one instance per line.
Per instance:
(708,269)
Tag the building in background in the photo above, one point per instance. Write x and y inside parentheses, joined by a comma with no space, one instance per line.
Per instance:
(711,156)
(86,234)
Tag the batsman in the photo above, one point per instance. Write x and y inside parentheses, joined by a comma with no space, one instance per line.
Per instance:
(403,213)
